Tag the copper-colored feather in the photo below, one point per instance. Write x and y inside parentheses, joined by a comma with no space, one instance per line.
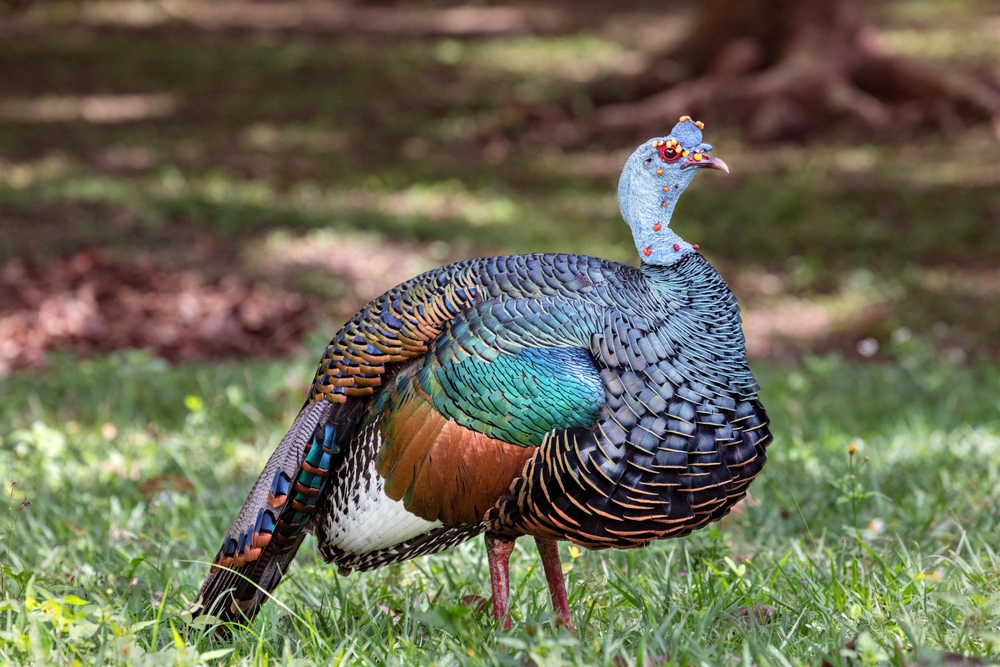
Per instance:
(440,470)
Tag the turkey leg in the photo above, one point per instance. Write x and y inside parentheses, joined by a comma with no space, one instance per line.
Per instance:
(549,552)
(498,550)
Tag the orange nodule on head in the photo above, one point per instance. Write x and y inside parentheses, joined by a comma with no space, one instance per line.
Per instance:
(656,227)
(647,251)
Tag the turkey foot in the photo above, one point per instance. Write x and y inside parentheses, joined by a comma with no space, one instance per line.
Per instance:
(498,550)
(549,552)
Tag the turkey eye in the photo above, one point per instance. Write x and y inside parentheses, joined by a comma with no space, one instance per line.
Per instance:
(648,161)
(668,152)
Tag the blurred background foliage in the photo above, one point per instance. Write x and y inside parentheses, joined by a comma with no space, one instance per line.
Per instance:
(194,195)
(279,164)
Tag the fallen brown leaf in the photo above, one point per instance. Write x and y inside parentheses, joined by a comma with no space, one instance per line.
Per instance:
(88,304)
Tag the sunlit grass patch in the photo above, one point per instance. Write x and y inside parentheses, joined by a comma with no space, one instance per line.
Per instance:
(445,200)
(270,138)
(90,108)
(980,42)
(575,57)
(872,527)
(24,174)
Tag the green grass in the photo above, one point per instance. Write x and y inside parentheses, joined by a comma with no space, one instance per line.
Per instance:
(133,469)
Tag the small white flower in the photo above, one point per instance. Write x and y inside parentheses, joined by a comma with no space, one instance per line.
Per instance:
(874,528)
(868,347)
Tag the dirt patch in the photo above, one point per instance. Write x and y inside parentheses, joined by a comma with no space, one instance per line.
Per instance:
(788,326)
(88,304)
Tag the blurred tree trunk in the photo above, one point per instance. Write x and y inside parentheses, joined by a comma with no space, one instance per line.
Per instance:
(785,68)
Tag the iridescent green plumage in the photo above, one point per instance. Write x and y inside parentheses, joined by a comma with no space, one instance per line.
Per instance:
(515,397)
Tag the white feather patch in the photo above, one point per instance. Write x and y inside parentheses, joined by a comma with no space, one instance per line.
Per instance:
(362,517)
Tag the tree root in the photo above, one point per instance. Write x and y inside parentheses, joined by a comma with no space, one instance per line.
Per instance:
(823,77)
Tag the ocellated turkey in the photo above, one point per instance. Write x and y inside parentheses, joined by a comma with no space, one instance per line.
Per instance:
(558,396)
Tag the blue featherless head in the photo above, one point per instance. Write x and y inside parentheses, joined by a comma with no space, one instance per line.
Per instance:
(651,183)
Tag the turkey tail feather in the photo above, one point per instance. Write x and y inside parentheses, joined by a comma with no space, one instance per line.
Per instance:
(269,528)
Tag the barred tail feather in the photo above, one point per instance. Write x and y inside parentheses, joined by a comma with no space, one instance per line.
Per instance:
(272,523)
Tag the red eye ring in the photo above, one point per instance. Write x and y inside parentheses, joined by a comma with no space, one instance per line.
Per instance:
(669,153)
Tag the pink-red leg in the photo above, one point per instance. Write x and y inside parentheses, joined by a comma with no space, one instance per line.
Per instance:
(498,550)
(549,551)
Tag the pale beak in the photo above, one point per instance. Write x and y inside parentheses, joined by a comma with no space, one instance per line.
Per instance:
(706,162)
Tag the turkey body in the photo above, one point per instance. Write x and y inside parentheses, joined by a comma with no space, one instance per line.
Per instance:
(559,396)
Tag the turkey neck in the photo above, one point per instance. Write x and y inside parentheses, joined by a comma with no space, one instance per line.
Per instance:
(697,310)
(689,281)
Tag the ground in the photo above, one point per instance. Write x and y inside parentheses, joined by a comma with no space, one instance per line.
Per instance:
(224,198)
